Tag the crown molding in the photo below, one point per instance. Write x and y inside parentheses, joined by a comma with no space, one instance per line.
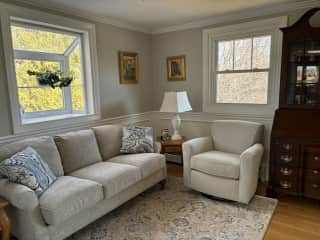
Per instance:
(240,15)
(82,14)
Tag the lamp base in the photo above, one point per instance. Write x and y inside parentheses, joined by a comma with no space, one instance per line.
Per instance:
(176,123)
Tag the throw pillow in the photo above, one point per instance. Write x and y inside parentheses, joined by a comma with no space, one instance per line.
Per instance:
(137,140)
(29,169)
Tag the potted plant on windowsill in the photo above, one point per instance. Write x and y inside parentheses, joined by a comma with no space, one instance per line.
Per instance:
(52,79)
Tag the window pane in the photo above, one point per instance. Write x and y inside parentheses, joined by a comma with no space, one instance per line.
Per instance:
(242,54)
(40,99)
(250,88)
(22,66)
(77,83)
(225,55)
(261,52)
(27,38)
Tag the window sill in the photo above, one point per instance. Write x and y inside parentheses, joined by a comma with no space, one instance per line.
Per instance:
(51,118)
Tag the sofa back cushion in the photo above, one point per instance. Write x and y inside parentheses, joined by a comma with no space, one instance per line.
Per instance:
(109,138)
(44,146)
(234,136)
(78,149)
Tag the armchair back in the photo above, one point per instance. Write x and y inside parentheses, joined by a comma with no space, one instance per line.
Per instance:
(235,136)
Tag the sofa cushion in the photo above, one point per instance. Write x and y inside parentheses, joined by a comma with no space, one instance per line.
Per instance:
(148,163)
(68,196)
(217,163)
(78,149)
(44,146)
(29,169)
(109,140)
(114,177)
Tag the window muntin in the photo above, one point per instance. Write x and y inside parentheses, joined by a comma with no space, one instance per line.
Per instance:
(243,67)
(40,49)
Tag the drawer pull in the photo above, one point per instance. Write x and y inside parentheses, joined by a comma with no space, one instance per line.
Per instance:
(315,172)
(286,158)
(287,146)
(316,158)
(286,171)
(285,184)
(315,185)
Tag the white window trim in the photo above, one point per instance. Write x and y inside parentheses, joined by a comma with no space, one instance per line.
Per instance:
(249,29)
(11,13)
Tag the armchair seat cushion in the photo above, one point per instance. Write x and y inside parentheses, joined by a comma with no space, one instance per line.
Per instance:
(217,163)
(68,196)
(114,177)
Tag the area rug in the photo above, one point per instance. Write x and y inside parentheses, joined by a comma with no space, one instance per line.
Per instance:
(183,214)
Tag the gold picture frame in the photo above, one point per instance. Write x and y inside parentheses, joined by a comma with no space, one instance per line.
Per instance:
(176,68)
(128,67)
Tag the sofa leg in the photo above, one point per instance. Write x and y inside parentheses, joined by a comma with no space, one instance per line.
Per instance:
(163,184)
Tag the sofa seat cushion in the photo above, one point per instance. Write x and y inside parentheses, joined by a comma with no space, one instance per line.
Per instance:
(217,163)
(148,163)
(114,177)
(68,196)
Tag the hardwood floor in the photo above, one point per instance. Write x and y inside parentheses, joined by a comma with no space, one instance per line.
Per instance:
(294,218)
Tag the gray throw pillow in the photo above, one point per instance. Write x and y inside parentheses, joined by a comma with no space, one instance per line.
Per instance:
(137,140)
(29,169)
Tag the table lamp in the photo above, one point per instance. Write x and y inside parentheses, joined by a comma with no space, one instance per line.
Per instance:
(175,102)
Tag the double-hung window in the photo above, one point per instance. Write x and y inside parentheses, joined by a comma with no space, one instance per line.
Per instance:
(241,67)
(40,42)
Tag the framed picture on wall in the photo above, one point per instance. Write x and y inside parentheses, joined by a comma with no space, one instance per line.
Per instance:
(128,67)
(176,68)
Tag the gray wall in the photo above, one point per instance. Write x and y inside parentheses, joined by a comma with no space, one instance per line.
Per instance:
(189,43)
(116,99)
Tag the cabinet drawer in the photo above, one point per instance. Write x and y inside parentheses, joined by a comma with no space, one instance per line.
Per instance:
(311,177)
(285,147)
(311,190)
(172,149)
(287,159)
(286,173)
(312,157)
(287,184)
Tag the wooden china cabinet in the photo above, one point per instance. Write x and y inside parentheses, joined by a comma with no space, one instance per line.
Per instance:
(295,137)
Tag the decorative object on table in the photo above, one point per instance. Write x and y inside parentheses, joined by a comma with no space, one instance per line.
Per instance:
(173,147)
(4,220)
(175,102)
(29,169)
(176,68)
(52,79)
(165,134)
(128,67)
(295,136)
(137,139)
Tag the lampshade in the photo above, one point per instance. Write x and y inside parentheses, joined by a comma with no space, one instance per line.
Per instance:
(175,102)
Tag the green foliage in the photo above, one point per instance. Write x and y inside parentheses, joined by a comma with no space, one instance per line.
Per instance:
(52,79)
(32,96)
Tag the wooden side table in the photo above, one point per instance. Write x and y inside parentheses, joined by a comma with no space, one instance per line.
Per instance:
(4,220)
(173,147)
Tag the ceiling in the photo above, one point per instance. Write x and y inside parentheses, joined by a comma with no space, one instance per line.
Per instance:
(157,14)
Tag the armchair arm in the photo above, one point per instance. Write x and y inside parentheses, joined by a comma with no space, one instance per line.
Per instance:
(191,148)
(250,161)
(18,195)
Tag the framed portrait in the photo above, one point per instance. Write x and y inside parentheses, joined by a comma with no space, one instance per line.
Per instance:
(128,67)
(176,68)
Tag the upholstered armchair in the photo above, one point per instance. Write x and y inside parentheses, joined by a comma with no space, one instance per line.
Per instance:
(226,164)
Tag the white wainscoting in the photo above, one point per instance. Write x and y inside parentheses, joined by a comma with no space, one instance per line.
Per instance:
(199,124)
(143,119)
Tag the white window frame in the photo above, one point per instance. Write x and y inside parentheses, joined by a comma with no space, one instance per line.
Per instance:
(11,14)
(266,27)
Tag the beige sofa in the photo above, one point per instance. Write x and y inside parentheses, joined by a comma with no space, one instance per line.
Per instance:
(93,179)
(225,164)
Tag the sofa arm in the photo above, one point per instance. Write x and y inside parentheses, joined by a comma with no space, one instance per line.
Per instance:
(250,161)
(191,148)
(18,195)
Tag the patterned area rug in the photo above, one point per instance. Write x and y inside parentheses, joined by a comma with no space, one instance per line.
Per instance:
(179,213)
